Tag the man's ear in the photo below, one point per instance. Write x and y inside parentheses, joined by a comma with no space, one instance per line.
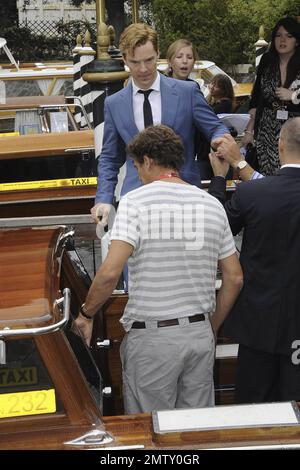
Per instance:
(148,161)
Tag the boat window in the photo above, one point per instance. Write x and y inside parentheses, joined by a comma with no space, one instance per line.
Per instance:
(25,386)
(57,119)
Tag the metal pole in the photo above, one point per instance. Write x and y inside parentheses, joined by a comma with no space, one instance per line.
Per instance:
(135,11)
(100,11)
(260,46)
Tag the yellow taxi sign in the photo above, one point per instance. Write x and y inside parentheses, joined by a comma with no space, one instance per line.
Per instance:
(9,134)
(47,184)
(27,403)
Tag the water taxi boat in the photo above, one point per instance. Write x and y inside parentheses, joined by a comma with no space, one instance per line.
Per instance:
(47,164)
(57,394)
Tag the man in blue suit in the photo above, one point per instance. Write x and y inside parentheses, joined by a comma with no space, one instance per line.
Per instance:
(175,103)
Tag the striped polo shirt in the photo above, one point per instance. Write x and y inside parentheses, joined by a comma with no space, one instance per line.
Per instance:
(179,232)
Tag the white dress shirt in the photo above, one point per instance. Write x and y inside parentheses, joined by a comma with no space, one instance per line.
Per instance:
(154,99)
(290,165)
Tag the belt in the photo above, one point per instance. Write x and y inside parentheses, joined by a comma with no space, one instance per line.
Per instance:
(172,322)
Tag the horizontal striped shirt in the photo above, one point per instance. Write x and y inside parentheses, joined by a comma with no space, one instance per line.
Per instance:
(179,232)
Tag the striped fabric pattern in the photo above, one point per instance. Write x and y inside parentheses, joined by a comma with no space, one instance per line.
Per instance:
(178,233)
(256,176)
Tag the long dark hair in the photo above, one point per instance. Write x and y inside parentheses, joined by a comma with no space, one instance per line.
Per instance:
(292,27)
(226,88)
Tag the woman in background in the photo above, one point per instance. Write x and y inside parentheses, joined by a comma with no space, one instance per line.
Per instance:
(181,56)
(274,97)
(221,97)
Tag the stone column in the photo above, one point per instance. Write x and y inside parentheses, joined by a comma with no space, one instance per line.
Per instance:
(77,77)
(87,55)
(106,76)
(260,46)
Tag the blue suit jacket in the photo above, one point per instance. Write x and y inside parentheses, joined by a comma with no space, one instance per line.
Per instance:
(183,109)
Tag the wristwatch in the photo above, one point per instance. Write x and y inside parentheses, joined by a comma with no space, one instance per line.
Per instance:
(82,312)
(241,164)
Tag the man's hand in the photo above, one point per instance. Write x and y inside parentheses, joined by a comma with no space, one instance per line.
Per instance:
(248,138)
(229,150)
(100,213)
(85,327)
(216,142)
(219,165)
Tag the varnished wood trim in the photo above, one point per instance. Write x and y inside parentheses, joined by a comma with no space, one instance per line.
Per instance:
(68,379)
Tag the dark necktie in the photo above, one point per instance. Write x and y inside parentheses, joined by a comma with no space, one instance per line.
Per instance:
(148,118)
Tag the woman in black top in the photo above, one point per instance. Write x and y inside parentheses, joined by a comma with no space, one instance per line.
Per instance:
(275,96)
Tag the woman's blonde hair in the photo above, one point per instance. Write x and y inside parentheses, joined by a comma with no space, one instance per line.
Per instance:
(175,47)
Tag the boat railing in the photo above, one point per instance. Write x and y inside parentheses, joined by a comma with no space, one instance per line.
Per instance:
(33,117)
(64,301)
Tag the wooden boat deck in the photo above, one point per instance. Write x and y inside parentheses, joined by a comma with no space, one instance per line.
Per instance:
(45,145)
(33,258)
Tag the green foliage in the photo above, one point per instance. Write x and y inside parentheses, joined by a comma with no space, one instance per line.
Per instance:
(223,31)
(8,13)
(29,47)
(70,30)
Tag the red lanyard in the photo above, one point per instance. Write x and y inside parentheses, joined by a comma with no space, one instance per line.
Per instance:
(162,176)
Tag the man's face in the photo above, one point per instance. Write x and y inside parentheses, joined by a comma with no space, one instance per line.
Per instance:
(145,169)
(142,65)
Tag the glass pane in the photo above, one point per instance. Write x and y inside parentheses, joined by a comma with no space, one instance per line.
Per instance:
(86,362)
(23,374)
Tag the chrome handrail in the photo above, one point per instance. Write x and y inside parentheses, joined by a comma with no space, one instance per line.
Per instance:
(65,300)
(81,106)
(61,241)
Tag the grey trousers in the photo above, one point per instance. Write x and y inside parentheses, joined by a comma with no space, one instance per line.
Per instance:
(169,367)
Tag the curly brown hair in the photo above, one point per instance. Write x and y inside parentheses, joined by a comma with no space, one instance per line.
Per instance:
(159,143)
